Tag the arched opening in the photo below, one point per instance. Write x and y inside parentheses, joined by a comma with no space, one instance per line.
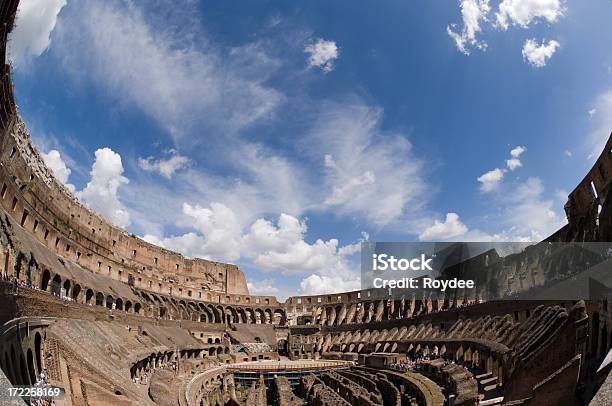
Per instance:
(44,282)
(128,306)
(137,307)
(56,285)
(31,369)
(88,296)
(119,304)
(109,302)
(67,285)
(24,370)
(99,299)
(38,351)
(76,291)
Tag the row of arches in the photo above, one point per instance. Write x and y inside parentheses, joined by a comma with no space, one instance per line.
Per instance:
(160,360)
(22,363)
(380,310)
(161,306)
(174,309)
(68,289)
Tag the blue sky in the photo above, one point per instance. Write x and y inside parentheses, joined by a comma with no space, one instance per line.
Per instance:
(278,135)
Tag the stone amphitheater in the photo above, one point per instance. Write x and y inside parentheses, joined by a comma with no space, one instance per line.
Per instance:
(113,320)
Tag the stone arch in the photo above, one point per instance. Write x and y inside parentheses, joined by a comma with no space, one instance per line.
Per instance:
(67,286)
(88,296)
(109,302)
(260,317)
(242,315)
(250,315)
(137,308)
(268,314)
(216,318)
(119,304)
(128,306)
(99,299)
(76,291)
(56,285)
(44,282)
(280,317)
(31,369)
(38,351)
(23,369)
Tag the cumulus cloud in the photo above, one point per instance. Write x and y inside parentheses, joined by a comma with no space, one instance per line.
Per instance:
(515,161)
(281,246)
(444,230)
(319,285)
(34,23)
(473,12)
(523,12)
(101,192)
(490,180)
(538,54)
(322,54)
(173,75)
(218,233)
(54,161)
(366,171)
(264,287)
(164,166)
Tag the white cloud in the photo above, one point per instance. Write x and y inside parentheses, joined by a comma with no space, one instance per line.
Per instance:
(473,12)
(264,287)
(516,152)
(282,247)
(592,112)
(449,228)
(529,214)
(354,248)
(323,54)
(568,153)
(523,12)
(538,54)
(34,23)
(54,161)
(318,285)
(344,192)
(602,124)
(366,172)
(515,161)
(218,233)
(101,192)
(173,74)
(165,167)
(522,214)
(489,181)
